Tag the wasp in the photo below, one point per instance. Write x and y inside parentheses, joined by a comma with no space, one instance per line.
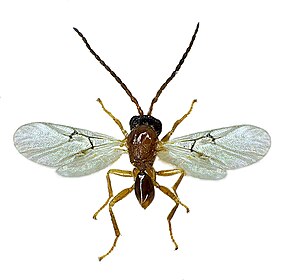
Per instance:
(205,155)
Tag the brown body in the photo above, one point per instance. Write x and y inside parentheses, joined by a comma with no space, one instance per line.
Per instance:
(141,144)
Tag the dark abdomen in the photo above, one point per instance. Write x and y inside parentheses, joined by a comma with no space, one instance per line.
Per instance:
(144,189)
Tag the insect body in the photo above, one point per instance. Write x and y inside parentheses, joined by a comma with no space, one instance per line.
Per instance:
(206,155)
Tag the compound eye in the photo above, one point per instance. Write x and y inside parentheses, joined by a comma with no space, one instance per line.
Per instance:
(134,122)
(157,126)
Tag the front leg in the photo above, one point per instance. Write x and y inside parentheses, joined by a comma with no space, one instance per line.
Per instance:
(178,122)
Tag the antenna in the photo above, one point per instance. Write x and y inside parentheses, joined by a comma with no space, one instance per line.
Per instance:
(154,100)
(132,98)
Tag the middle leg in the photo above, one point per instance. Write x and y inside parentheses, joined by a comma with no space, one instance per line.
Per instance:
(172,172)
(119,172)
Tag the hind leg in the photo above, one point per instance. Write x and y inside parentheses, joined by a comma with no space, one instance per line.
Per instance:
(122,194)
(175,198)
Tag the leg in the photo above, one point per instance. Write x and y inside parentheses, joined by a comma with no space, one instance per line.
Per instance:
(175,186)
(117,198)
(124,173)
(174,197)
(172,172)
(117,121)
(168,135)
(169,218)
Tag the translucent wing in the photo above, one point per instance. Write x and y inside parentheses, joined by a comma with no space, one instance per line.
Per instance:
(73,151)
(208,154)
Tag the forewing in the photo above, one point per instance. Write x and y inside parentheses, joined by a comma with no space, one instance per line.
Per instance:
(209,154)
(73,151)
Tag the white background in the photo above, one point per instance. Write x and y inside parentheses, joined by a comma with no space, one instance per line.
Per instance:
(243,68)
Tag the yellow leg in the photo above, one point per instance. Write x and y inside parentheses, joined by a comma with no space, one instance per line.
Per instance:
(123,173)
(169,218)
(168,135)
(117,198)
(175,198)
(172,172)
(117,121)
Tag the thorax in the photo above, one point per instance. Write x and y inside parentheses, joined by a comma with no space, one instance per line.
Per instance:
(142,143)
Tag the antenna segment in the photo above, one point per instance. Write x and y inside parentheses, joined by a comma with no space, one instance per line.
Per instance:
(154,100)
(132,98)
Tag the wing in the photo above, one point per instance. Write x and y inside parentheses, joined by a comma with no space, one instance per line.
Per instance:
(73,151)
(208,154)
